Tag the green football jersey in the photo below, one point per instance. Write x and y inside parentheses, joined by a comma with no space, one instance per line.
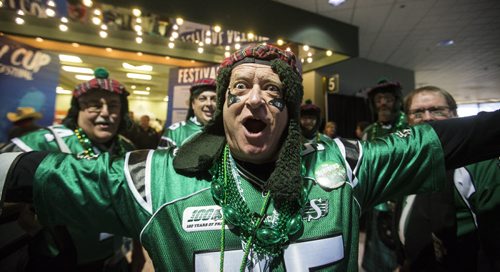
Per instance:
(90,245)
(179,223)
(179,132)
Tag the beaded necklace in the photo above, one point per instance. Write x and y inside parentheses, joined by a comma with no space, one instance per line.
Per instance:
(400,124)
(262,237)
(88,149)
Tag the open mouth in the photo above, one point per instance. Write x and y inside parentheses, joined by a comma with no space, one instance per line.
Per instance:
(254,125)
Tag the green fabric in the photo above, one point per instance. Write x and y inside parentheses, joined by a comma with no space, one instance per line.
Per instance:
(88,245)
(180,132)
(485,178)
(100,196)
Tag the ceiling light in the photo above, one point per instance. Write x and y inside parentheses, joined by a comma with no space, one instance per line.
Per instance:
(75,44)
(209,33)
(237,46)
(309,60)
(103,34)
(139,33)
(50,12)
(288,49)
(148,88)
(109,49)
(19,20)
(165,99)
(51,3)
(446,43)
(175,34)
(309,54)
(84,77)
(167,57)
(179,21)
(139,76)
(1,4)
(306,47)
(200,50)
(96,20)
(137,28)
(104,27)
(250,35)
(217,29)
(329,52)
(171,45)
(87,3)
(200,44)
(175,27)
(208,40)
(63,28)
(228,48)
(20,13)
(64,20)
(139,54)
(97,12)
(141,92)
(133,87)
(38,39)
(70,58)
(60,90)
(138,20)
(336,2)
(145,67)
(280,42)
(227,54)
(138,40)
(80,70)
(136,12)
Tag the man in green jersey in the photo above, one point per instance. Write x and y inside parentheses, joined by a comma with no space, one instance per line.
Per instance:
(438,231)
(385,100)
(98,112)
(201,111)
(243,194)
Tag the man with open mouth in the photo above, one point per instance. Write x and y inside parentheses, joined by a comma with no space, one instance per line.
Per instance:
(243,194)
(201,110)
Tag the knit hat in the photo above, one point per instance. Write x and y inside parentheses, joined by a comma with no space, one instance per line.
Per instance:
(197,155)
(100,82)
(386,86)
(199,86)
(23,113)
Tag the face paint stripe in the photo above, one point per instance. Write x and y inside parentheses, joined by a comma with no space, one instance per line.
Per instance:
(231,99)
(278,103)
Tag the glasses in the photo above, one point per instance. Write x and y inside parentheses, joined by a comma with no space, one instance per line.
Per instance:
(436,112)
(97,107)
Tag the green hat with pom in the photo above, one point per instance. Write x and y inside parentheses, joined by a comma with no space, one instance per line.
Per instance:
(100,82)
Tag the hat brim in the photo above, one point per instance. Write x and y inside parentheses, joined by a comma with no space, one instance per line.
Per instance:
(14,117)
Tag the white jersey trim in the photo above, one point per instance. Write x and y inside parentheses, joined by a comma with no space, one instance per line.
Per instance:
(465,187)
(145,204)
(24,147)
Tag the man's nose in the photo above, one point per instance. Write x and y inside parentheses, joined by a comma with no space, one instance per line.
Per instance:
(428,116)
(255,97)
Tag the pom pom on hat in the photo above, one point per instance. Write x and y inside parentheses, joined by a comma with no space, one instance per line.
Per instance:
(101,72)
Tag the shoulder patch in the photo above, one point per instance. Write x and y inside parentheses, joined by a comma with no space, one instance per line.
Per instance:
(137,171)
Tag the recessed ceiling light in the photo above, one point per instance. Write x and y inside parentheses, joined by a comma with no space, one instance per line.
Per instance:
(336,2)
(84,77)
(109,49)
(75,44)
(144,67)
(80,70)
(446,43)
(38,39)
(141,92)
(139,76)
(70,58)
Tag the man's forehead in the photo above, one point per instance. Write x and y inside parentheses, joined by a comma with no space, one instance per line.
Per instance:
(428,99)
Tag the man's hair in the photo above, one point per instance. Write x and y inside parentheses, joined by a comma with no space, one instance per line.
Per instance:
(452,104)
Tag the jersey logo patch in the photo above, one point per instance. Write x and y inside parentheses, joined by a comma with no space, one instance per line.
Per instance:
(315,209)
(403,133)
(202,218)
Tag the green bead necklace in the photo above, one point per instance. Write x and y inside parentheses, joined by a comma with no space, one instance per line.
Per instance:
(262,237)
(88,149)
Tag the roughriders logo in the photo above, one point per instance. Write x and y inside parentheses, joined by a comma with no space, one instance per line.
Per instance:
(315,209)
(202,218)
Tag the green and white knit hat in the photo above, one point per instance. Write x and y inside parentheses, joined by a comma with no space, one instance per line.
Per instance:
(198,155)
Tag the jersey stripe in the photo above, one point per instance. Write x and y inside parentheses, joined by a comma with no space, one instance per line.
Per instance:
(137,167)
(465,187)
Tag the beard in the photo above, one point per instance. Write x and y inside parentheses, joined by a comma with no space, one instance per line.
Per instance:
(385,115)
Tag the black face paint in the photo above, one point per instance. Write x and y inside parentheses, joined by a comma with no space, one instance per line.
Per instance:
(231,99)
(278,103)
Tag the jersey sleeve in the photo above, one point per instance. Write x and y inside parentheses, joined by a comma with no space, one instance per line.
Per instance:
(90,193)
(406,162)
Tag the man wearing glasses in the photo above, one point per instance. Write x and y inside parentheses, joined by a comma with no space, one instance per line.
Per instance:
(98,113)
(439,231)
(202,101)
